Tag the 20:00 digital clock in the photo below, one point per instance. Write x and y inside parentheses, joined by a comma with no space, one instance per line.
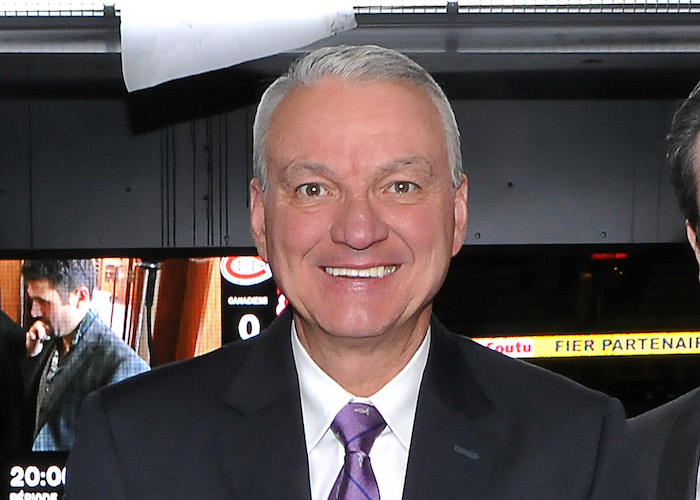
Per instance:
(31,476)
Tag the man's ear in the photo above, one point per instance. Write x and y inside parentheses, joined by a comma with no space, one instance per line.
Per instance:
(693,240)
(257,217)
(461,215)
(82,293)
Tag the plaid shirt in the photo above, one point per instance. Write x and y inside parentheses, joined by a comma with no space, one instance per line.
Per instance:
(97,357)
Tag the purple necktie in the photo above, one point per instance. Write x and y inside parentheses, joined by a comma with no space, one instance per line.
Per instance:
(357,425)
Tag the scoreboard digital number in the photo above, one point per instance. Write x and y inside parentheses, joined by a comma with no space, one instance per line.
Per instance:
(32,482)
(250,298)
(34,476)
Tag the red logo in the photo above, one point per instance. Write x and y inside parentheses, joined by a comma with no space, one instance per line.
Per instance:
(245,270)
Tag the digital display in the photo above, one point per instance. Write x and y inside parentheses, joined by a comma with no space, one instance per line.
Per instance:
(627,326)
(159,308)
(596,344)
(41,476)
(250,298)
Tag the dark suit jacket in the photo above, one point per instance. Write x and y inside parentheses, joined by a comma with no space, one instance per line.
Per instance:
(229,425)
(11,383)
(99,359)
(666,446)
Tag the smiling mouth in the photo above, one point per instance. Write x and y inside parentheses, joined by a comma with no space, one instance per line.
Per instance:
(367,272)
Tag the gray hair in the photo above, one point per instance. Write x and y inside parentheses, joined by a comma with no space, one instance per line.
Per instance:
(363,63)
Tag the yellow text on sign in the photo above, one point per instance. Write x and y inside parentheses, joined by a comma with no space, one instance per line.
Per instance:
(595,344)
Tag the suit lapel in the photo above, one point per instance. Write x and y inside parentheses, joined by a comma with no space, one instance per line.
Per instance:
(456,432)
(68,371)
(262,449)
(679,465)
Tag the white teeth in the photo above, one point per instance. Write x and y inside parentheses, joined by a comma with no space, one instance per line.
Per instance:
(369,272)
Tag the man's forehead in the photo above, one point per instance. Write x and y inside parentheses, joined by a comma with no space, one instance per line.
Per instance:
(336,85)
(41,287)
(343,127)
(352,108)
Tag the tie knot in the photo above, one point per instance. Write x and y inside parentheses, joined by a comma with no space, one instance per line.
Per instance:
(357,425)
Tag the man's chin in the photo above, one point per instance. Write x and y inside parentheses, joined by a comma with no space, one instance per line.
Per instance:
(354,328)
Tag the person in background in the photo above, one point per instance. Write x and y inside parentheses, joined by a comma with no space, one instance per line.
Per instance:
(356,391)
(11,382)
(70,351)
(666,440)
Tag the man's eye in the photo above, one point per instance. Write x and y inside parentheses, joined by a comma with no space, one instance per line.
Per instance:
(402,187)
(312,189)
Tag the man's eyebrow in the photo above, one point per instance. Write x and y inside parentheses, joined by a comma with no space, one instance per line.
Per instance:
(390,167)
(416,162)
(295,168)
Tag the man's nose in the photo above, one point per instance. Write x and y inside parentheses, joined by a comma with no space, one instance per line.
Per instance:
(358,224)
(36,310)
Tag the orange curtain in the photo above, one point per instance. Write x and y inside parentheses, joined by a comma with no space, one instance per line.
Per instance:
(188,313)
(11,288)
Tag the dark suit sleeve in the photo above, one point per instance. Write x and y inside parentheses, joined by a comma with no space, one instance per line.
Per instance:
(12,353)
(665,445)
(93,468)
(615,477)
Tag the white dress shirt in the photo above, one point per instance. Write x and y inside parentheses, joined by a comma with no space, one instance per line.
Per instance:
(321,400)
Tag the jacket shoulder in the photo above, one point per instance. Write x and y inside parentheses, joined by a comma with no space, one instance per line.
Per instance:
(183,381)
(523,382)
(666,414)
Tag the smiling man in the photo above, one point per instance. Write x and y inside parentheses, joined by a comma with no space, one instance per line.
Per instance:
(356,391)
(359,219)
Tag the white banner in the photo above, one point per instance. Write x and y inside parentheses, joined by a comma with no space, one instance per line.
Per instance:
(164,39)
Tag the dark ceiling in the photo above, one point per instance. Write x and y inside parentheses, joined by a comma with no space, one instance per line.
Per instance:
(474,56)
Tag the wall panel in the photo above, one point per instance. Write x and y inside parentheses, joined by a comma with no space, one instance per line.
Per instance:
(73,174)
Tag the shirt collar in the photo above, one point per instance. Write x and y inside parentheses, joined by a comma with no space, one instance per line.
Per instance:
(83,326)
(322,397)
